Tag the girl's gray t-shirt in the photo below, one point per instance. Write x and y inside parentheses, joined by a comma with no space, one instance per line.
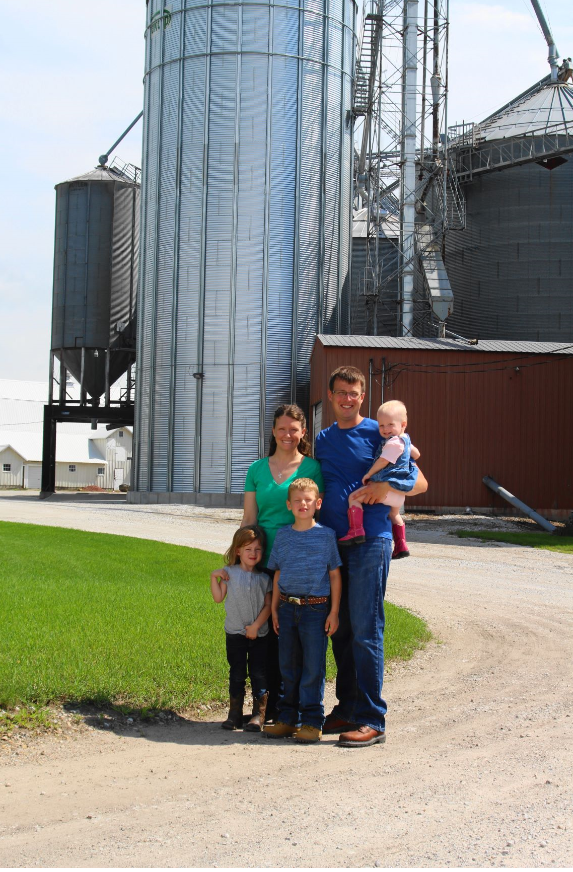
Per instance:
(245,599)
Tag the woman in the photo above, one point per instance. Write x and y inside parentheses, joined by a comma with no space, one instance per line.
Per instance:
(266,490)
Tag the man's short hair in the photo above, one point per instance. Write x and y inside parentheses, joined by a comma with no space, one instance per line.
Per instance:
(349,374)
(300,484)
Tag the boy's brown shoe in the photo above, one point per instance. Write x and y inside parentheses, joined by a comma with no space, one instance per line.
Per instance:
(308,735)
(280,730)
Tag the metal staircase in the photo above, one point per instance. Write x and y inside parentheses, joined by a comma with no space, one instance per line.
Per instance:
(367,63)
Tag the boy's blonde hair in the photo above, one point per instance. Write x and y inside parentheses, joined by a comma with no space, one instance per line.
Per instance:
(393,407)
(303,484)
(244,536)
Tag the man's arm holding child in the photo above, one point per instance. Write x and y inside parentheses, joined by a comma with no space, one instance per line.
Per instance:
(275,601)
(331,625)
(252,630)
(219,579)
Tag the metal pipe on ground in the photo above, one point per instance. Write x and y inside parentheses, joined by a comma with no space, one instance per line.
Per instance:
(518,504)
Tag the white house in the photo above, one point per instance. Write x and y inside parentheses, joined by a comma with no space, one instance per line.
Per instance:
(83,456)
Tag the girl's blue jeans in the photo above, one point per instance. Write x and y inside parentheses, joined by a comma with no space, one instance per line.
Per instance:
(302,657)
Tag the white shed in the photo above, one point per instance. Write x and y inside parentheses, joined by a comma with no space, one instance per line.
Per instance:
(83,456)
(79,463)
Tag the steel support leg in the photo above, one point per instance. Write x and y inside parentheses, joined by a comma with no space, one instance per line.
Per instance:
(48,455)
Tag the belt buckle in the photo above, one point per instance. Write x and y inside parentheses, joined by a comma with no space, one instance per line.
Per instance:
(294,599)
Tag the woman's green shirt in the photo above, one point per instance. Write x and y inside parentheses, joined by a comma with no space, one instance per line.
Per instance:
(271,497)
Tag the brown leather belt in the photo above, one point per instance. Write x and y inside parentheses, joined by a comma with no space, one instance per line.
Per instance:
(304,600)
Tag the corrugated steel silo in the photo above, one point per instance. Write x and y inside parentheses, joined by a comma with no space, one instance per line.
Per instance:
(246,221)
(511,269)
(96,254)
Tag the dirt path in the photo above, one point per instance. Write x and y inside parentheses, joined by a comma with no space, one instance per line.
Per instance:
(477,769)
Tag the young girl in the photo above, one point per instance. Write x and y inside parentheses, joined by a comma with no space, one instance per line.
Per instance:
(247,595)
(393,464)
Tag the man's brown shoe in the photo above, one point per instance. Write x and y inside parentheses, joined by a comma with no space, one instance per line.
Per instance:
(361,737)
(334,724)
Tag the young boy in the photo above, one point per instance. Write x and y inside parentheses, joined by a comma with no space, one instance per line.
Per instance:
(307,576)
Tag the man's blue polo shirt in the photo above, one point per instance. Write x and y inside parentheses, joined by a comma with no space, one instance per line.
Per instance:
(345,456)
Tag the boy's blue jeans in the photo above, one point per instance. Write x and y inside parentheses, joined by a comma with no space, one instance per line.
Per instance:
(302,657)
(358,644)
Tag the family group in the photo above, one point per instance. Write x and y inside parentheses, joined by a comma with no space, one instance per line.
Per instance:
(291,582)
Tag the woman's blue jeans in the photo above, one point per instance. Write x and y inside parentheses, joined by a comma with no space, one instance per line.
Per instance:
(358,644)
(302,657)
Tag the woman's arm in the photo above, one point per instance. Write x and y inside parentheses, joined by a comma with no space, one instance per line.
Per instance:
(250,509)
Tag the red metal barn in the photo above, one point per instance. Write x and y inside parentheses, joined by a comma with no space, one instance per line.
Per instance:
(501,409)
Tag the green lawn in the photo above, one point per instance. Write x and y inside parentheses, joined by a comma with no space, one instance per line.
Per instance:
(548,541)
(111,619)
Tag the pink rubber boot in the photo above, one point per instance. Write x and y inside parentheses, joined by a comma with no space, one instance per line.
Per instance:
(356,533)
(399,537)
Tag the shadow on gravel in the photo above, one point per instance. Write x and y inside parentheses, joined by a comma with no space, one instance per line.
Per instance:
(70,497)
(169,727)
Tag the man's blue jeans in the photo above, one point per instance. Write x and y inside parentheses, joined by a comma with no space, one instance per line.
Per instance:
(302,657)
(358,644)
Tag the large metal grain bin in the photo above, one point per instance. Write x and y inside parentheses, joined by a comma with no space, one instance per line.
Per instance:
(511,269)
(246,222)
(96,255)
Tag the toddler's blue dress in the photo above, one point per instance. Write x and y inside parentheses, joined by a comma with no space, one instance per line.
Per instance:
(403,474)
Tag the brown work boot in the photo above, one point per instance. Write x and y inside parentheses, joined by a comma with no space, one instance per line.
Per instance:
(258,717)
(308,735)
(280,730)
(235,717)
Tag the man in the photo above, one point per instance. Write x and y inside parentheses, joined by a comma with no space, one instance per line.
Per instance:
(345,451)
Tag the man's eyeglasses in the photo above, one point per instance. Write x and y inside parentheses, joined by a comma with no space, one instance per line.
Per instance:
(341,395)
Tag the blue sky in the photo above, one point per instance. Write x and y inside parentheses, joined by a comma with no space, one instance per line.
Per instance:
(72,82)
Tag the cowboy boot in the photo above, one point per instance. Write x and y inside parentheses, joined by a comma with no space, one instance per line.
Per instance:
(356,533)
(235,717)
(399,537)
(258,717)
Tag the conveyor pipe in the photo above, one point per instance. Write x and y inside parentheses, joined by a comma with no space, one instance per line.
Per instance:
(506,495)
(553,53)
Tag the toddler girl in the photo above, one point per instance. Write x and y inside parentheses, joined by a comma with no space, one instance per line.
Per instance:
(393,464)
(247,595)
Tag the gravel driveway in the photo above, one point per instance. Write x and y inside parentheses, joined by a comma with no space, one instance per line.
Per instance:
(476,770)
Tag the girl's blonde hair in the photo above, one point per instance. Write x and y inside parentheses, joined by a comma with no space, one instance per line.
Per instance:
(244,536)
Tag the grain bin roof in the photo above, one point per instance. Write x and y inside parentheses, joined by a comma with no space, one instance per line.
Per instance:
(547,107)
(414,344)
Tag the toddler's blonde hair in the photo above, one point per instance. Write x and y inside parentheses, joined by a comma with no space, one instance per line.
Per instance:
(393,407)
